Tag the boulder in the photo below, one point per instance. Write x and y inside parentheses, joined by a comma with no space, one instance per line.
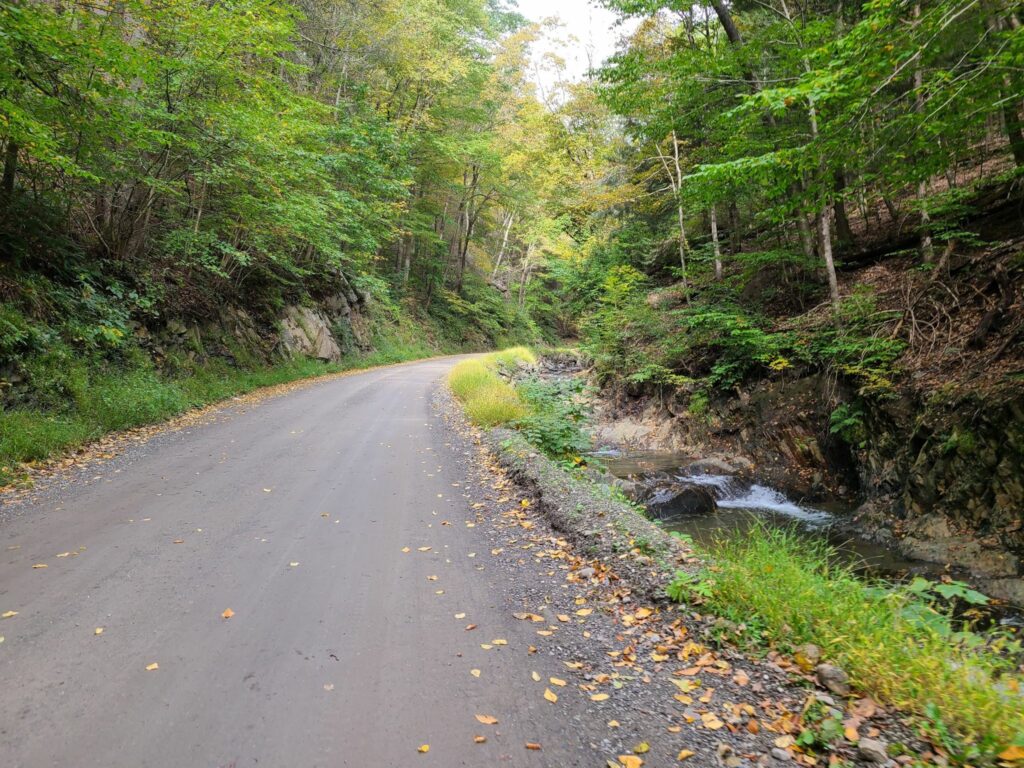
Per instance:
(682,501)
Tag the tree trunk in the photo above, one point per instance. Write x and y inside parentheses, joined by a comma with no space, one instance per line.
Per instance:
(735,239)
(726,20)
(717,246)
(927,251)
(844,233)
(10,172)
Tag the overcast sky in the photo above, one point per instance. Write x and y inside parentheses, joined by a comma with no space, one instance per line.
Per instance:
(593,27)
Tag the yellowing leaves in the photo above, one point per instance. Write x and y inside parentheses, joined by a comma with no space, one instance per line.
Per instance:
(557,681)
(98,631)
(631,761)
(1012,754)
(487,719)
(40,565)
(152,667)
(8,614)
(685,754)
(228,613)
(475,672)
(550,695)
(423,749)
(599,697)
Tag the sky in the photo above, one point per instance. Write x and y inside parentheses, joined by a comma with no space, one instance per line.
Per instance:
(593,27)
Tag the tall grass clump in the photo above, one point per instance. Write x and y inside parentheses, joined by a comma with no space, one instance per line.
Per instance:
(894,643)
(488,400)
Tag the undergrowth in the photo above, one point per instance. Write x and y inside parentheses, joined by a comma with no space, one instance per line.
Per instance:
(897,643)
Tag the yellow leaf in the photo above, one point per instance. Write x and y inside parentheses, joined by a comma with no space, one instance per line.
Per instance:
(460,615)
(557,681)
(584,611)
(40,565)
(294,565)
(8,614)
(228,613)
(499,641)
(613,723)
(563,618)
(487,719)
(151,667)
(631,761)
(479,739)
(851,733)
(599,697)
(176,541)
(423,749)
(424,549)
(475,672)
(532,745)
(685,754)
(1012,754)
(550,695)
(686,685)
(98,631)
(406,550)
(535,676)
(642,748)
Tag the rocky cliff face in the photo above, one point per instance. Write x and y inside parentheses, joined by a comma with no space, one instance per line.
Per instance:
(335,325)
(941,478)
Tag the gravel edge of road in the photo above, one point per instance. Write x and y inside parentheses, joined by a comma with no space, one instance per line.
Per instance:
(646,557)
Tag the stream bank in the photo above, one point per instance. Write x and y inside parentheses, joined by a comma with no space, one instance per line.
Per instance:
(937,484)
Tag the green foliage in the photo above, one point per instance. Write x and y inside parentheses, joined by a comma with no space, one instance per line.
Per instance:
(896,643)
(556,416)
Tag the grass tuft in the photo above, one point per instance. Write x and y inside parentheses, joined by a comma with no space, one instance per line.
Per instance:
(895,647)
(488,400)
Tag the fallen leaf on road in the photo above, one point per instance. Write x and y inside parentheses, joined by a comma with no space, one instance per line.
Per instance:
(178,541)
(460,615)
(630,761)
(599,697)
(431,578)
(8,614)
(267,490)
(499,641)
(64,554)
(532,745)
(557,681)
(406,550)
(550,695)
(228,613)
(439,592)
(487,719)
(98,631)
(151,667)
(685,754)
(423,549)
(423,749)
(40,565)
(470,627)
(563,618)
(479,739)
(535,676)
(294,565)
(328,686)
(642,748)
(613,723)
(486,646)
(475,672)
(584,611)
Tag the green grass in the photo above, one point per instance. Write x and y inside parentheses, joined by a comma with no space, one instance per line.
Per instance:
(489,401)
(894,645)
(93,403)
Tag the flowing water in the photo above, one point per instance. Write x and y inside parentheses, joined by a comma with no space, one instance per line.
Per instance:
(742,505)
